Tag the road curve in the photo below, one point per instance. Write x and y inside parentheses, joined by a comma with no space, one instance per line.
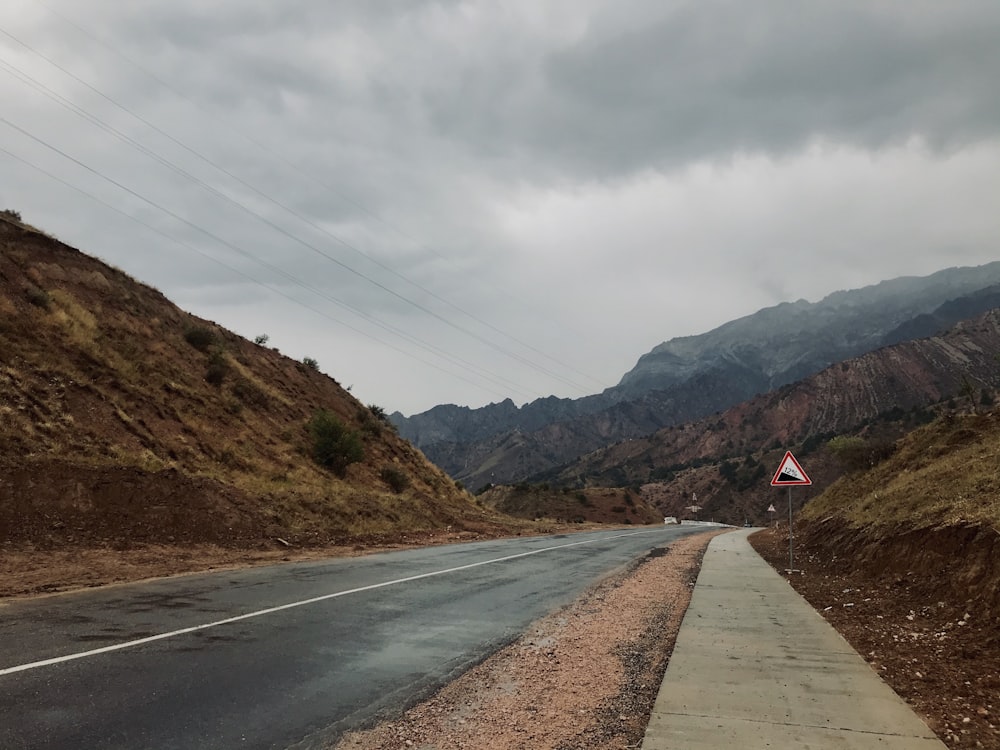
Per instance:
(287,656)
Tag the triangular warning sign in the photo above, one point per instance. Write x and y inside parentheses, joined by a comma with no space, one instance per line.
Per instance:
(789,473)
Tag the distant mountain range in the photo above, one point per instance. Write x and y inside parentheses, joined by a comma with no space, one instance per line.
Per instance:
(688,378)
(886,383)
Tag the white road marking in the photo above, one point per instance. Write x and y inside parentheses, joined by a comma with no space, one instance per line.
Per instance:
(292,605)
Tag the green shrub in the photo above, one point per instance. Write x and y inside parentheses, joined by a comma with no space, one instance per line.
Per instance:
(856,454)
(38,297)
(218,367)
(200,338)
(395,478)
(311,363)
(261,340)
(250,394)
(334,446)
(378,412)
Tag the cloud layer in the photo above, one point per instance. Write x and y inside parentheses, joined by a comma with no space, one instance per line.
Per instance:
(461,201)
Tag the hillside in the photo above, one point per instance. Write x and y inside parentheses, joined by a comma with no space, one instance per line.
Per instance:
(686,379)
(933,506)
(592,505)
(125,420)
(903,558)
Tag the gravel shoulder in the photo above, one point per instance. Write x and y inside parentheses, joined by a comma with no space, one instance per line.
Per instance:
(583,678)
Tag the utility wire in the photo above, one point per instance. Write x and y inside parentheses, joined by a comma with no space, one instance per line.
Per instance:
(485,374)
(91,35)
(233,269)
(276,227)
(72,107)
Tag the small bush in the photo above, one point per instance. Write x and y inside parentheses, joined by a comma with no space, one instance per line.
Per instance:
(395,478)
(9,214)
(38,297)
(218,367)
(334,446)
(378,412)
(311,363)
(261,340)
(371,426)
(200,338)
(250,394)
(856,454)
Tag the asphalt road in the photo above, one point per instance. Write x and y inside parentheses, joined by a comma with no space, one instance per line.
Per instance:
(287,656)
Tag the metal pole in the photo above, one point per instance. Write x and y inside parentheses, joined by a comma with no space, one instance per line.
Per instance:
(791,554)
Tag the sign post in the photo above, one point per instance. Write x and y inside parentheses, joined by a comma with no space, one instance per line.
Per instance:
(694,507)
(789,474)
(772,510)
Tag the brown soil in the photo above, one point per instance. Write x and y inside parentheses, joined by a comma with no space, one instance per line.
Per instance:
(27,570)
(586,505)
(583,678)
(910,615)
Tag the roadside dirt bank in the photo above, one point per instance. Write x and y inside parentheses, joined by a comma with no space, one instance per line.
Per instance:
(29,572)
(918,608)
(26,570)
(583,678)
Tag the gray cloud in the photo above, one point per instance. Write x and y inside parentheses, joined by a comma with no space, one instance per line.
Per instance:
(579,177)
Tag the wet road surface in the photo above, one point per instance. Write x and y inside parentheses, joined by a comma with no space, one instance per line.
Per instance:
(288,656)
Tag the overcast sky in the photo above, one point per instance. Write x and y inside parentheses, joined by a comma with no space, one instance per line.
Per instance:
(456,202)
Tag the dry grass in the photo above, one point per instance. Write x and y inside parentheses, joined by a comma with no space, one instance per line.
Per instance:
(944,474)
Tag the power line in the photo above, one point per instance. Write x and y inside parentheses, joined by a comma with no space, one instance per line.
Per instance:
(485,374)
(114,50)
(233,269)
(281,230)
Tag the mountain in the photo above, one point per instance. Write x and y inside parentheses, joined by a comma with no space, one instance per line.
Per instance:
(891,380)
(688,378)
(791,340)
(125,420)
(726,459)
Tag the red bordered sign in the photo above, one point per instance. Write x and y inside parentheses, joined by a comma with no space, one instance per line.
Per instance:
(790,473)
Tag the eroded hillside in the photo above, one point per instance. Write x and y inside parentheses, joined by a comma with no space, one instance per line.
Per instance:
(896,380)
(932,507)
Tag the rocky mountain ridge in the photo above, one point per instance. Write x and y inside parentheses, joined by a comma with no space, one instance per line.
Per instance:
(705,374)
(959,364)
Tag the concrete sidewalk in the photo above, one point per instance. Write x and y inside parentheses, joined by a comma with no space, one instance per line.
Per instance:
(755,666)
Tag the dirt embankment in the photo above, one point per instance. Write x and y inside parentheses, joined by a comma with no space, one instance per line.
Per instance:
(51,505)
(961,562)
(921,606)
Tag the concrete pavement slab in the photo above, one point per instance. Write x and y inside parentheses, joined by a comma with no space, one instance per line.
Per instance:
(755,664)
